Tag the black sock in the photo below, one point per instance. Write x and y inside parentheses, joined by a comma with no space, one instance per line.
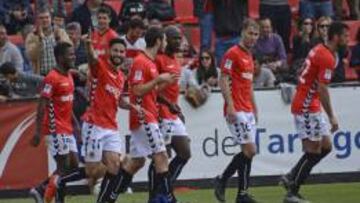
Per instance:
(303,169)
(74,175)
(175,167)
(60,193)
(244,174)
(107,186)
(151,180)
(231,168)
(164,186)
(123,180)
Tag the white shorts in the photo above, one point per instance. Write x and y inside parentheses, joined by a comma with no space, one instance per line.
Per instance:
(244,129)
(146,140)
(61,144)
(170,128)
(96,140)
(311,126)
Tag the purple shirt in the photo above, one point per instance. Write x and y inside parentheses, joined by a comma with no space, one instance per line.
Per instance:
(272,48)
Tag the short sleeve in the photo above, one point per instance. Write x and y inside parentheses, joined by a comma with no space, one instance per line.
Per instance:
(95,69)
(48,88)
(137,74)
(326,68)
(227,63)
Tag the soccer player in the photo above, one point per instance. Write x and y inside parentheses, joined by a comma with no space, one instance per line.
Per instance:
(171,124)
(103,33)
(54,120)
(146,137)
(237,70)
(312,94)
(101,140)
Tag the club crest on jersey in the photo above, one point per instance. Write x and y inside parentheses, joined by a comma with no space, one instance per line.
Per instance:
(138,75)
(328,74)
(47,88)
(228,64)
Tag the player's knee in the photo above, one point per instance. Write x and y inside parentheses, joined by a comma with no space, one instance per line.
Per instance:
(133,165)
(185,154)
(325,150)
(249,150)
(92,170)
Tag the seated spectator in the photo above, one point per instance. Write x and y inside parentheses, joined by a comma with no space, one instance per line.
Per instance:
(86,15)
(355,55)
(73,29)
(270,48)
(21,84)
(40,43)
(160,9)
(17,17)
(354,8)
(103,33)
(321,32)
(207,73)
(263,77)
(302,41)
(316,8)
(9,52)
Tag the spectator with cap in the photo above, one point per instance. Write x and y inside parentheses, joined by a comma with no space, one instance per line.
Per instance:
(316,8)
(86,15)
(21,84)
(17,17)
(278,11)
(129,10)
(73,29)
(270,48)
(40,43)
(9,52)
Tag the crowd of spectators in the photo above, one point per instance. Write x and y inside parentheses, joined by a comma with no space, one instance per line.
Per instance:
(278,54)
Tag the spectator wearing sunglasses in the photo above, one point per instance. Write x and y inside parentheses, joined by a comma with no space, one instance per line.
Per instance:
(322,27)
(207,73)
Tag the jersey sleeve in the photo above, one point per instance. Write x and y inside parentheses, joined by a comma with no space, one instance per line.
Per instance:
(95,69)
(48,87)
(137,74)
(227,63)
(326,68)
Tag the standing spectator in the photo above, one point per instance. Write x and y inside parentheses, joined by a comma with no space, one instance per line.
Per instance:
(207,73)
(302,41)
(316,8)
(271,49)
(86,15)
(9,52)
(228,20)
(73,29)
(203,9)
(17,17)
(263,77)
(278,11)
(40,44)
(103,34)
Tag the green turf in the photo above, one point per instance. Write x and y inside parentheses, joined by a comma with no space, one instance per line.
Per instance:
(324,193)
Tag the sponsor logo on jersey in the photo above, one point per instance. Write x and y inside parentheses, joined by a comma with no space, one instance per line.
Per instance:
(248,76)
(67,98)
(113,90)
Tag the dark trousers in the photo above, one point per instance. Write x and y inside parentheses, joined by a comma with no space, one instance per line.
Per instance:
(280,17)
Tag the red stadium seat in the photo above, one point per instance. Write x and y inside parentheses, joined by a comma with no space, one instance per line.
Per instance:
(16,39)
(184,12)
(354,26)
(254,8)
(350,73)
(194,37)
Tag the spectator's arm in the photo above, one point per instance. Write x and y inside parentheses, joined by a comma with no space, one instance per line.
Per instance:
(62,36)
(32,49)
(17,59)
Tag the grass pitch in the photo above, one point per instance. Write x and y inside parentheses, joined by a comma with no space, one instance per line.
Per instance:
(321,193)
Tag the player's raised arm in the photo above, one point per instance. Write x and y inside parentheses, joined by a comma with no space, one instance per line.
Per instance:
(89,49)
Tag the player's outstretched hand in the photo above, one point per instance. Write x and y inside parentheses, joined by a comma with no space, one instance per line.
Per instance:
(87,37)
(167,78)
(35,140)
(334,124)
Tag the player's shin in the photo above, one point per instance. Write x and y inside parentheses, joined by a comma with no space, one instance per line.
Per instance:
(175,167)
(106,188)
(123,181)
(244,174)
(231,168)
